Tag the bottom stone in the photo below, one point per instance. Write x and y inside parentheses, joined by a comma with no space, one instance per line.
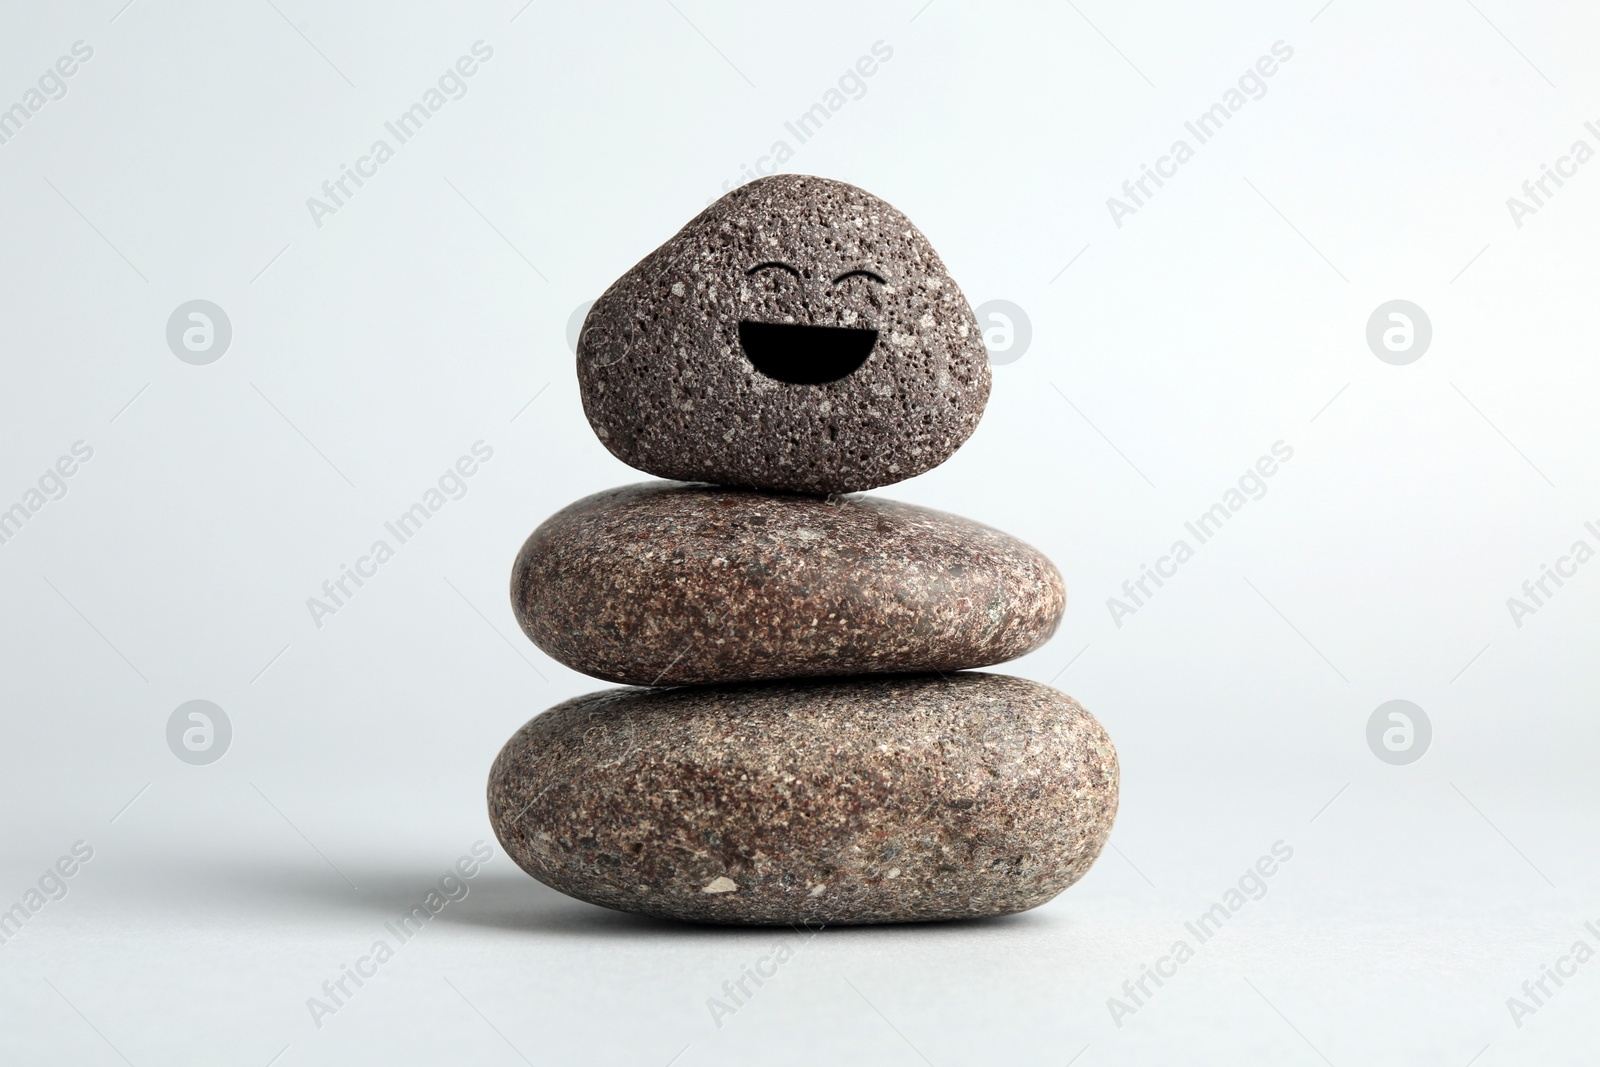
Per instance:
(864,800)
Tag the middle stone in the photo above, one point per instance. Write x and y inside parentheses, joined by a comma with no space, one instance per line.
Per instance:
(663,583)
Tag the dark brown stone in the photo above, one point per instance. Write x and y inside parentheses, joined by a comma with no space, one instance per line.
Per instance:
(798,334)
(861,801)
(663,583)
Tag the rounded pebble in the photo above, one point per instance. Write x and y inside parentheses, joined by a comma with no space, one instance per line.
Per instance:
(799,334)
(865,801)
(668,584)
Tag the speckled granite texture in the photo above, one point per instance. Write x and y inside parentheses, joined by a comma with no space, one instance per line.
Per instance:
(864,801)
(669,386)
(668,584)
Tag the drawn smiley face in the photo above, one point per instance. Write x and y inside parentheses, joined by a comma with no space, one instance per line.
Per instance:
(806,353)
(798,334)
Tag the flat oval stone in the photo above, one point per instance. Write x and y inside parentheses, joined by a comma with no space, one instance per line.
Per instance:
(798,334)
(668,584)
(861,801)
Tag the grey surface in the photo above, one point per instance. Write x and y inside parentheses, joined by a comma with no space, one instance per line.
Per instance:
(1167,356)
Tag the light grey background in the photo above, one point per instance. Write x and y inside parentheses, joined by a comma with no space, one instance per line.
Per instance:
(1167,355)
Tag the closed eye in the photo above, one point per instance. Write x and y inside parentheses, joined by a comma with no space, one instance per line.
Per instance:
(772,263)
(863,273)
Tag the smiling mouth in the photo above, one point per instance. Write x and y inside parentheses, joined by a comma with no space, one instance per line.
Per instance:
(805,355)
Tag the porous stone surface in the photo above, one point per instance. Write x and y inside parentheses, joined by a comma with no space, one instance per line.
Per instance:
(670,584)
(670,389)
(864,801)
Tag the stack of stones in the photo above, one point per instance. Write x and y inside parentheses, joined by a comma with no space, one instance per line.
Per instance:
(805,742)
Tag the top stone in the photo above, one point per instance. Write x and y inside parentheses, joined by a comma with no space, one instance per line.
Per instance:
(799,334)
